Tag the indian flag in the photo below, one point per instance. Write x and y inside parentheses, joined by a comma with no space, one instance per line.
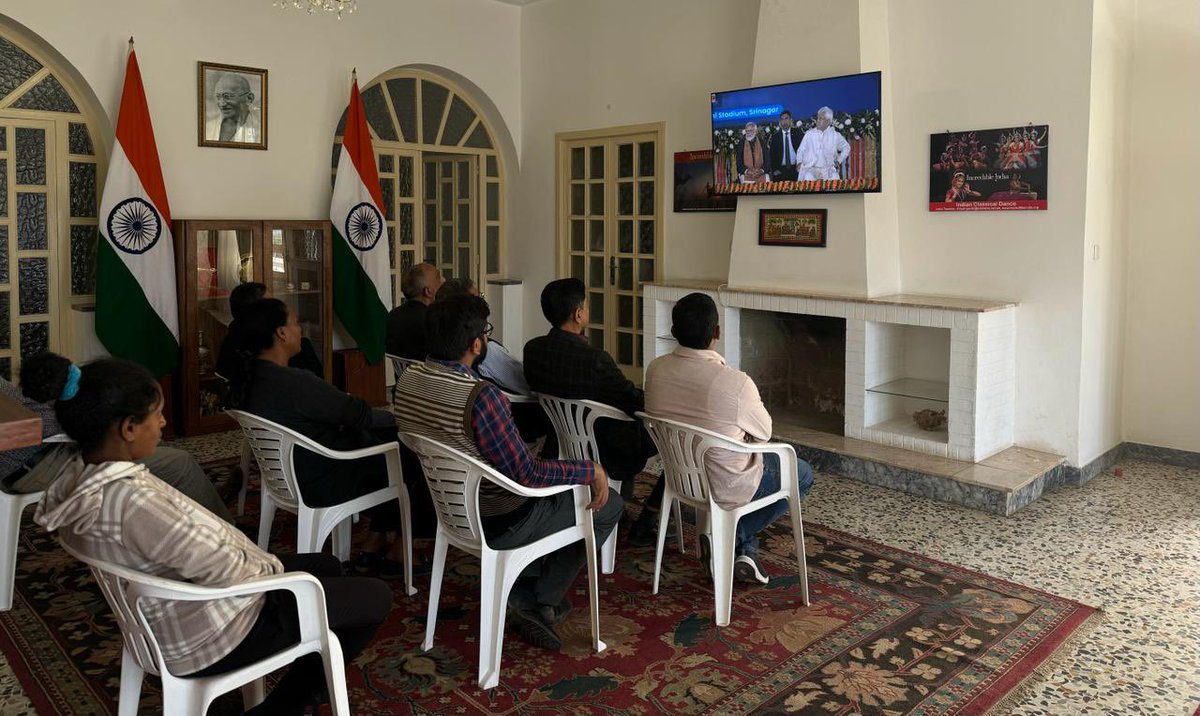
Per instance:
(137,313)
(361,271)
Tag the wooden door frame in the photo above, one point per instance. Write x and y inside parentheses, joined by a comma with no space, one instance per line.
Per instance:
(562,210)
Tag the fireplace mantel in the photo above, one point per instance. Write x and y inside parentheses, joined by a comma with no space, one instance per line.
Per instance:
(888,376)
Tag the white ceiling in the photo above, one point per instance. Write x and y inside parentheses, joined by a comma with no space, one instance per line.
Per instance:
(518,2)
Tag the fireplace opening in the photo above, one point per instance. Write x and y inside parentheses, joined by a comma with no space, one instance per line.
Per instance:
(798,362)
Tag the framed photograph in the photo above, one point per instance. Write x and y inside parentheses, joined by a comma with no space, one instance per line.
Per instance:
(231,106)
(694,185)
(792,227)
(1002,169)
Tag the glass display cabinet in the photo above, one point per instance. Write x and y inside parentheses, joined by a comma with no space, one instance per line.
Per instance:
(292,258)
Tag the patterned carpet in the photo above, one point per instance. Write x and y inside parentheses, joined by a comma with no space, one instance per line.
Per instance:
(888,632)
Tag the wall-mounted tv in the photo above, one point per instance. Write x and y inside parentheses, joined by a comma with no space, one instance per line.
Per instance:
(818,136)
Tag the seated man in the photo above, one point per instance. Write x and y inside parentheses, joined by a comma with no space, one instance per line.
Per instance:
(445,399)
(694,385)
(564,364)
(47,378)
(406,322)
(497,366)
(240,297)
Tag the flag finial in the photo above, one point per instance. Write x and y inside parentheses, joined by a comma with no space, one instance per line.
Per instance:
(354,74)
(131,40)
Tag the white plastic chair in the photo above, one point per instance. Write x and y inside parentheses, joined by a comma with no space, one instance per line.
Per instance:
(125,588)
(399,365)
(274,447)
(682,448)
(454,479)
(574,423)
(11,507)
(244,465)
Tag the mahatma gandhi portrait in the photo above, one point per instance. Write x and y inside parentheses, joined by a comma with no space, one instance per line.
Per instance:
(233,102)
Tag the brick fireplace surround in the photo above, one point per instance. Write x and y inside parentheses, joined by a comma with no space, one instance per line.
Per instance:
(904,354)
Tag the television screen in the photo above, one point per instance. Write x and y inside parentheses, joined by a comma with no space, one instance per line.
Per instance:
(803,137)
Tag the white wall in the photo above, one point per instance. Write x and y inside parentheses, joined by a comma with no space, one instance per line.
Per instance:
(799,41)
(590,64)
(1105,229)
(951,70)
(1162,334)
(309,59)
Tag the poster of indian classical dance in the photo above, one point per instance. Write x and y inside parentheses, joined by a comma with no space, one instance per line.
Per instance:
(694,190)
(989,169)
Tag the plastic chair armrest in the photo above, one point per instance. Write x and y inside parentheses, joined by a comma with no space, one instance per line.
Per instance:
(519,489)
(350,454)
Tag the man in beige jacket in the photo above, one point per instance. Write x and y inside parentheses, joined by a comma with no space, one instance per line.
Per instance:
(694,385)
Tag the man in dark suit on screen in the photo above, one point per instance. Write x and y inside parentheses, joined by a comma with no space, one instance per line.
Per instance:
(783,150)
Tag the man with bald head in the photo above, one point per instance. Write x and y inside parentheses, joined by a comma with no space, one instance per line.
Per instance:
(237,121)
(406,322)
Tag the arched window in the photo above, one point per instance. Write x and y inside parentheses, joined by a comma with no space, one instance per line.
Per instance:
(52,161)
(441,174)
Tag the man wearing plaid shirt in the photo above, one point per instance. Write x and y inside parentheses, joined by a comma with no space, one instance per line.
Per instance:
(444,395)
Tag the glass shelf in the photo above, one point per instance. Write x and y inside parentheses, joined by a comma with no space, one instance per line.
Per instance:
(915,388)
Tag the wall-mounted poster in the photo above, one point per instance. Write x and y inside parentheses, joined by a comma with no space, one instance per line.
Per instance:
(694,184)
(989,169)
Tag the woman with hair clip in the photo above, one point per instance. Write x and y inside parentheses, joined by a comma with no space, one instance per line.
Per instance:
(106,506)
(47,378)
(263,384)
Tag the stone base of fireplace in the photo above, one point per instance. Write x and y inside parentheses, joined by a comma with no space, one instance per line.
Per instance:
(1002,484)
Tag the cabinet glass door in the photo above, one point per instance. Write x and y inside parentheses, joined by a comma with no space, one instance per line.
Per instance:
(224,259)
(296,276)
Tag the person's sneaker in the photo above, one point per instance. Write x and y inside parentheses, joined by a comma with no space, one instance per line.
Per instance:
(747,568)
(367,562)
(535,628)
(557,614)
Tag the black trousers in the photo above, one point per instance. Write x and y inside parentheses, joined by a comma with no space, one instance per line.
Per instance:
(554,574)
(356,607)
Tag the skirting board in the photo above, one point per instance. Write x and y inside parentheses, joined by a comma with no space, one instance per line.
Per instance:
(1136,451)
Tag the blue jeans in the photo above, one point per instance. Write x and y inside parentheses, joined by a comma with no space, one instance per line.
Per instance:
(750,525)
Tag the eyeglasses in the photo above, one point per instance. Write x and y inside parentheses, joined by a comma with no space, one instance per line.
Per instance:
(228,96)
(487,331)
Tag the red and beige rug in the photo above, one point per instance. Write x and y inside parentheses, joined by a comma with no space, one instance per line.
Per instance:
(888,632)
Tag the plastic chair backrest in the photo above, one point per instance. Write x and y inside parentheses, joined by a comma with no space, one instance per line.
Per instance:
(454,479)
(574,422)
(118,586)
(274,447)
(682,448)
(399,365)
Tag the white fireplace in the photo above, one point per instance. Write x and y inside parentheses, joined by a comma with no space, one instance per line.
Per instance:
(904,354)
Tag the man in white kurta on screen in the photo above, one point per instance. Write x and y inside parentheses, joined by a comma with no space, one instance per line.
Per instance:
(822,150)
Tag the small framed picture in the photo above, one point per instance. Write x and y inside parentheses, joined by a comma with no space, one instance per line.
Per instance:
(231,106)
(792,227)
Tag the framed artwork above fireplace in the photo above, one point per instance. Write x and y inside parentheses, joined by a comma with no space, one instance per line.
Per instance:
(792,227)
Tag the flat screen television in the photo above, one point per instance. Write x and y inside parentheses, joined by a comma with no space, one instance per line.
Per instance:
(834,137)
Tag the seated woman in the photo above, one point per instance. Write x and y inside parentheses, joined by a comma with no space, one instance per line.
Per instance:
(48,377)
(262,383)
(104,505)
(240,297)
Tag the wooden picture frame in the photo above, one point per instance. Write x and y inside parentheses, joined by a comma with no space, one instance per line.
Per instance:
(792,227)
(233,115)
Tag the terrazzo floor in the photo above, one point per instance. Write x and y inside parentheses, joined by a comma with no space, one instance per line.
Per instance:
(1129,544)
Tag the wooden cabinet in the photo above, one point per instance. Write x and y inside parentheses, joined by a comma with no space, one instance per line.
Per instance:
(293,260)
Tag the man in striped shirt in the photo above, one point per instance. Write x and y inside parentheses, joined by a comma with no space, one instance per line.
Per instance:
(447,400)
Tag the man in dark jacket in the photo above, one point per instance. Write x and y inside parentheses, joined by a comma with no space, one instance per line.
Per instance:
(564,364)
(406,322)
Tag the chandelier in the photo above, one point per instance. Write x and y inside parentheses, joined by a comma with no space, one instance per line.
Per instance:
(334,6)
